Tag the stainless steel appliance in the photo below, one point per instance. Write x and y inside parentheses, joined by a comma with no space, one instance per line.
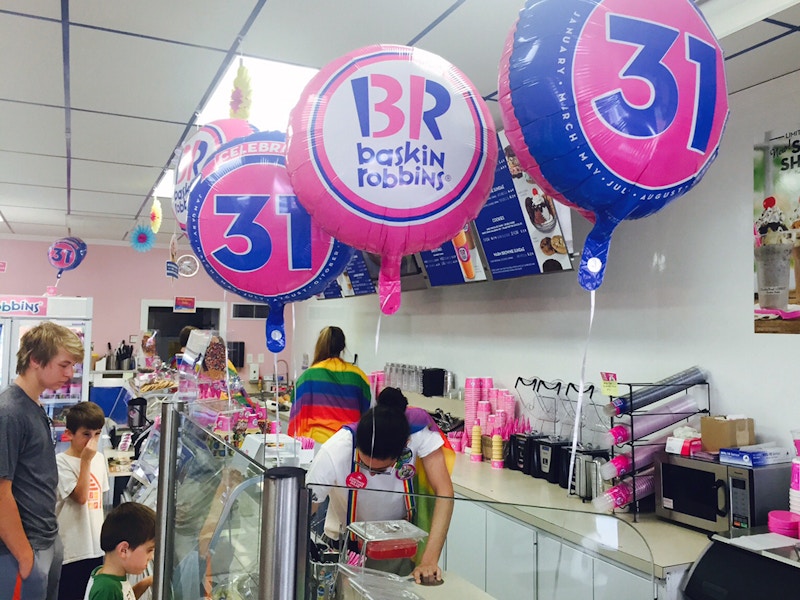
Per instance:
(718,497)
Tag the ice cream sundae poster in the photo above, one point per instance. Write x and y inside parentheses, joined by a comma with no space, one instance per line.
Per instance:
(522,230)
(776,231)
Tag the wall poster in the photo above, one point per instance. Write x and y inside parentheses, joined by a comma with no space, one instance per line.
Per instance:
(776,225)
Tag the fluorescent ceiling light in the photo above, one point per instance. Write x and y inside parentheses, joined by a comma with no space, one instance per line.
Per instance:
(275,89)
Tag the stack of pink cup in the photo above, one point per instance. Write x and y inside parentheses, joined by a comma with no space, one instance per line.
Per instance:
(472,394)
(784,522)
(509,404)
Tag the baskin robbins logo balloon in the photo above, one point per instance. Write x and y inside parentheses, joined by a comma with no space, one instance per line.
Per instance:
(392,151)
(395,134)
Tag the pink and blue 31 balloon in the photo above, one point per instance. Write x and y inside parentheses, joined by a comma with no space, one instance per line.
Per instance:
(66,254)
(617,106)
(251,234)
(392,151)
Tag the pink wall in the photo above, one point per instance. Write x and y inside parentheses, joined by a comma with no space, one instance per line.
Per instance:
(118,278)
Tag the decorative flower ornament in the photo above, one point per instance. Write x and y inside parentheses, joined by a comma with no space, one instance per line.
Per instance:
(142,238)
(156,216)
(241,96)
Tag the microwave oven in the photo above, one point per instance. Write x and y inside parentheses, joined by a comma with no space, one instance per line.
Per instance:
(717,497)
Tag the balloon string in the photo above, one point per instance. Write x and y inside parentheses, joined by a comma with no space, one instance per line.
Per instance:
(577,425)
(277,408)
(378,332)
(291,354)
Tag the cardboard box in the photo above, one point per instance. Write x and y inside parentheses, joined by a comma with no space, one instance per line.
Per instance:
(755,458)
(719,432)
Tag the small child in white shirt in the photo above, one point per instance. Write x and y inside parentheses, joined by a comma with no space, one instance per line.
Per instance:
(82,480)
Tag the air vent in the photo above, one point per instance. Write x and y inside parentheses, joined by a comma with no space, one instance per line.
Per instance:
(249,311)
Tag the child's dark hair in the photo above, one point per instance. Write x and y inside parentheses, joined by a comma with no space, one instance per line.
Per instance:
(391,432)
(85,414)
(129,522)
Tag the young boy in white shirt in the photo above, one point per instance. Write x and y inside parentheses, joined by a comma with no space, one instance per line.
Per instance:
(82,480)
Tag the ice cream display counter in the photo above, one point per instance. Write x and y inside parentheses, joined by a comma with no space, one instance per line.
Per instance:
(495,548)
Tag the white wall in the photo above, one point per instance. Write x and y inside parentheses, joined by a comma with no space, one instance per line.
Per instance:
(678,291)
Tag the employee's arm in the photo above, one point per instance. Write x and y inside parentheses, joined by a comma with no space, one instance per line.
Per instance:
(11,531)
(439,478)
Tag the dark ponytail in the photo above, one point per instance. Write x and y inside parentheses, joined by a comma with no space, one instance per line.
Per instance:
(391,432)
(392,397)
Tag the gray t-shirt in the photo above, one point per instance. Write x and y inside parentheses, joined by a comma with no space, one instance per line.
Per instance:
(28,460)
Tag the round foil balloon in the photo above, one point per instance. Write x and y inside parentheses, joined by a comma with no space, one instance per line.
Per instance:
(392,151)
(617,106)
(194,154)
(251,234)
(66,254)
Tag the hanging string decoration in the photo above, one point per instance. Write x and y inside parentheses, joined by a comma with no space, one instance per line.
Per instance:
(242,94)
(156,215)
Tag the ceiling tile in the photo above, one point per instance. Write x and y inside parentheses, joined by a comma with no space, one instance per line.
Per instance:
(32,195)
(123,139)
(313,38)
(34,215)
(31,69)
(472,42)
(208,23)
(110,177)
(48,231)
(31,128)
(40,8)
(749,37)
(133,76)
(105,203)
(98,228)
(33,169)
(769,62)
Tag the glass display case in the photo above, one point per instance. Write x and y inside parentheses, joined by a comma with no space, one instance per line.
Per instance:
(217,513)
(493,549)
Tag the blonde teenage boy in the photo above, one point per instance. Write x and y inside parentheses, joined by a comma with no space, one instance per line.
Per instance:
(30,549)
(82,480)
(128,539)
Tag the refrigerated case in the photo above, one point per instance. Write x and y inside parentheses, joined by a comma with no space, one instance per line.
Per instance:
(18,314)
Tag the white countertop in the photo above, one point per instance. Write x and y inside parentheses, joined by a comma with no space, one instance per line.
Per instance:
(672,546)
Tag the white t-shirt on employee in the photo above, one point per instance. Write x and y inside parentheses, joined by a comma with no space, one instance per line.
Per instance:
(79,524)
(334,462)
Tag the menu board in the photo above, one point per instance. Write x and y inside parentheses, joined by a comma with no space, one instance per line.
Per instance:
(355,281)
(519,225)
(456,261)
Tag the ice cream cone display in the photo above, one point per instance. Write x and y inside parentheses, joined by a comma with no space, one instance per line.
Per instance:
(497,451)
(477,452)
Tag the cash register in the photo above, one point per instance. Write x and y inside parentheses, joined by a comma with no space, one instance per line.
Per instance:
(746,564)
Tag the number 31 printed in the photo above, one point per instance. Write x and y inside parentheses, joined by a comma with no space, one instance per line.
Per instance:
(656,116)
